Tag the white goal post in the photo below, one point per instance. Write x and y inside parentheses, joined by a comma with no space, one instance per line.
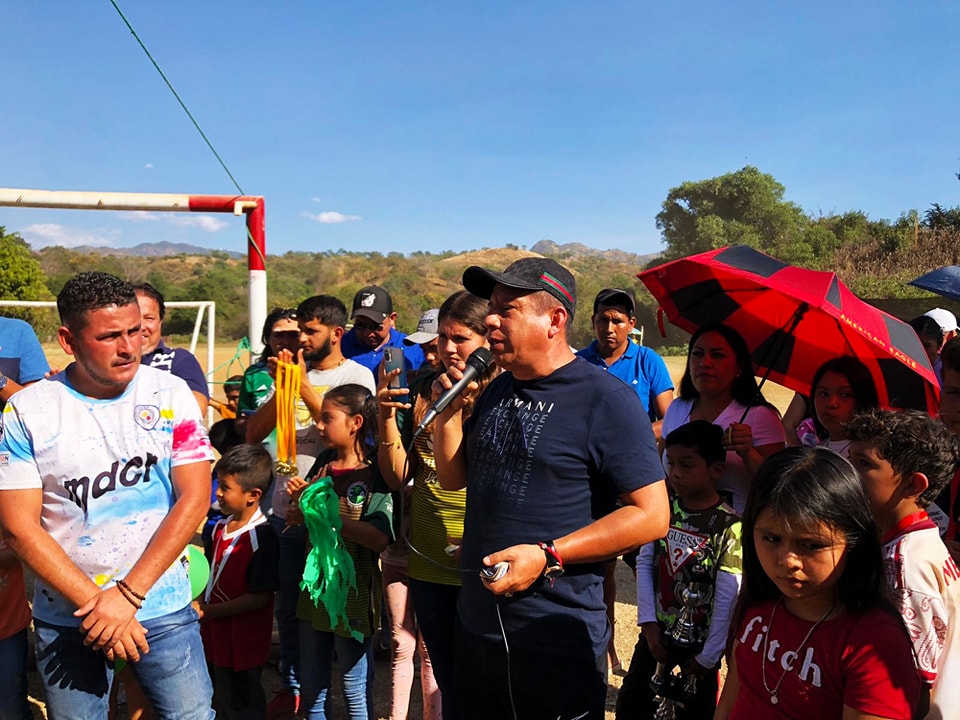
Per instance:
(204,307)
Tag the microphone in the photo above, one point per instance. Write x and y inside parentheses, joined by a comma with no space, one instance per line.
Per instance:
(477,364)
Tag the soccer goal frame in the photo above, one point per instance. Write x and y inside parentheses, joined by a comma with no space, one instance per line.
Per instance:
(251,206)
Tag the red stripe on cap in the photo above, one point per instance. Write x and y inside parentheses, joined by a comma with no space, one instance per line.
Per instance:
(553,282)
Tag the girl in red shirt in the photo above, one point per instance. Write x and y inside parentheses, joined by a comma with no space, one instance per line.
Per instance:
(812,636)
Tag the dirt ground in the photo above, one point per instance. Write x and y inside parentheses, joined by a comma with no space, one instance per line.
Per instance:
(625,627)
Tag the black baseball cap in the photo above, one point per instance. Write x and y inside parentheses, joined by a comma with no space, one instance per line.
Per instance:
(615,297)
(532,273)
(372,302)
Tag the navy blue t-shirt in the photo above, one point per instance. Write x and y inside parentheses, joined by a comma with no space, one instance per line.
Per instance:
(544,458)
(179,362)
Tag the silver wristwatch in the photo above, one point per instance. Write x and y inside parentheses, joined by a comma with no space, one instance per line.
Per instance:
(3,381)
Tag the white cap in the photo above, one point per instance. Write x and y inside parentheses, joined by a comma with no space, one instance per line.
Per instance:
(426,329)
(945,319)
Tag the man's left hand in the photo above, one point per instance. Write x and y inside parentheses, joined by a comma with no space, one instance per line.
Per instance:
(527,563)
(106,617)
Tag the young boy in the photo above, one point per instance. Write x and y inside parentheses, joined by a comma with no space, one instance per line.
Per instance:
(237,607)
(223,433)
(702,546)
(905,459)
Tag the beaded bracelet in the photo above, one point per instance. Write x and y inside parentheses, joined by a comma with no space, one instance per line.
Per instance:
(124,590)
(129,589)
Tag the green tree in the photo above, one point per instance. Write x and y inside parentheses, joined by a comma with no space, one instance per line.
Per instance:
(20,275)
(744,207)
(941,218)
(22,279)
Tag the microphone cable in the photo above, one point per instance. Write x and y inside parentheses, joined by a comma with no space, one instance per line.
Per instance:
(464,571)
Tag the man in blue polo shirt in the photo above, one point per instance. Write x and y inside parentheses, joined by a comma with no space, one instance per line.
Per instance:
(373,330)
(21,357)
(639,367)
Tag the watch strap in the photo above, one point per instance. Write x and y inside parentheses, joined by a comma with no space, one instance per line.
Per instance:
(554,564)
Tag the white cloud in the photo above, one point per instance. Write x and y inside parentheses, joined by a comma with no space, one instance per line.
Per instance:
(207,223)
(44,234)
(330,217)
(140,216)
(316,199)
(148,166)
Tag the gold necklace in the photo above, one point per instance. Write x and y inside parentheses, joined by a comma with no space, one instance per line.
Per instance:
(774,699)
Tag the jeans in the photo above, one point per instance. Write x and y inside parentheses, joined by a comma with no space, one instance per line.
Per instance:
(13,678)
(436,608)
(173,674)
(316,668)
(293,549)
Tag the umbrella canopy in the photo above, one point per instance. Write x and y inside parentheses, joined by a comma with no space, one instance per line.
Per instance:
(794,320)
(944,281)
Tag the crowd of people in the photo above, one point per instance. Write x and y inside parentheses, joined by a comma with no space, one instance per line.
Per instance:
(472,514)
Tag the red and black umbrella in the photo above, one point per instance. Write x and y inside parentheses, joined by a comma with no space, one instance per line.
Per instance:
(794,320)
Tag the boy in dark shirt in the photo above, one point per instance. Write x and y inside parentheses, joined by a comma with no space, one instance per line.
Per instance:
(237,607)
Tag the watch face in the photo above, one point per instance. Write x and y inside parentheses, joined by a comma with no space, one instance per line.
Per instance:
(554,571)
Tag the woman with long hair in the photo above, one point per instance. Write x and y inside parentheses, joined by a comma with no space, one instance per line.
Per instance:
(719,386)
(434,522)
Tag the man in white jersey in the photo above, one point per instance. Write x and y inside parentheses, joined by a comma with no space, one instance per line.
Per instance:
(104,478)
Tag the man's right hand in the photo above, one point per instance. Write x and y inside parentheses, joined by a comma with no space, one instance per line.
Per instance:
(288,357)
(130,645)
(109,624)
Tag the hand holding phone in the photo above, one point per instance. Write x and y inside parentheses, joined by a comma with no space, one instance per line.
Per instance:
(393,360)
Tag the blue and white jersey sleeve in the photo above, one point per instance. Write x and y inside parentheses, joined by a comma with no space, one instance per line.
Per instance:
(18,469)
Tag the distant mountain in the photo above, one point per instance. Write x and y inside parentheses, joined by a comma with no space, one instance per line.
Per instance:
(157,249)
(548,248)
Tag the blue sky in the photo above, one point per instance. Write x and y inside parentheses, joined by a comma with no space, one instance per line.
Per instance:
(404,126)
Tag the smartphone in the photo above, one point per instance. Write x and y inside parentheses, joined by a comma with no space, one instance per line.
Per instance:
(393,359)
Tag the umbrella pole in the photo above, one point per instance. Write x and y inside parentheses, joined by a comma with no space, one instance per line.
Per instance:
(788,329)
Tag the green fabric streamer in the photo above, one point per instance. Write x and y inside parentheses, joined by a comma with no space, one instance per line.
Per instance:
(329,574)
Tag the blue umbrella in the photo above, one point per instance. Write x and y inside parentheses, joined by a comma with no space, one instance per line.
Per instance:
(944,281)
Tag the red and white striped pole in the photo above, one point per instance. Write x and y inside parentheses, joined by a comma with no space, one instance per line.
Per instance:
(251,206)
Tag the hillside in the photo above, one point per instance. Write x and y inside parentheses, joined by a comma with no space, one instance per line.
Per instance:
(422,280)
(417,282)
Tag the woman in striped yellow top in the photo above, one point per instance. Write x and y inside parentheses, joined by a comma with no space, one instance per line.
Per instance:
(436,515)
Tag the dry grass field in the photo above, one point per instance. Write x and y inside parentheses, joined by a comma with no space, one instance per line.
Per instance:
(626,631)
